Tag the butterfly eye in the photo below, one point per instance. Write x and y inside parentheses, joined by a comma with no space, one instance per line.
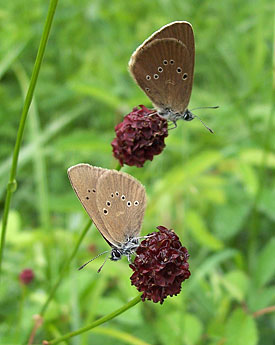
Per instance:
(179,70)
(108,203)
(147,89)
(148,77)
(165,62)
(117,193)
(172,62)
(112,195)
(93,190)
(185,76)
(105,211)
(156,76)
(160,69)
(122,197)
(88,191)
(87,198)
(136,203)
(129,204)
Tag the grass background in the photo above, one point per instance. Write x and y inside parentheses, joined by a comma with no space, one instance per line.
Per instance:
(216,191)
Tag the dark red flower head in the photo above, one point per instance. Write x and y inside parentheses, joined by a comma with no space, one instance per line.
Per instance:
(26,276)
(160,266)
(139,137)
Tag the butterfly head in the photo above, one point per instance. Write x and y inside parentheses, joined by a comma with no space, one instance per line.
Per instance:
(116,254)
(187,115)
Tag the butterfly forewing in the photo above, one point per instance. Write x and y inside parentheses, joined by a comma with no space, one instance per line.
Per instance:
(121,204)
(164,72)
(84,179)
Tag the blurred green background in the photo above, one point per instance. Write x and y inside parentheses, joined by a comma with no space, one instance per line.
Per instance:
(216,191)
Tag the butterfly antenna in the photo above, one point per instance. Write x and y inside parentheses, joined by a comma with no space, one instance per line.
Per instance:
(215,107)
(107,251)
(210,130)
(100,268)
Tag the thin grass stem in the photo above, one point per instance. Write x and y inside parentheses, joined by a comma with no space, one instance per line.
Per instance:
(11,186)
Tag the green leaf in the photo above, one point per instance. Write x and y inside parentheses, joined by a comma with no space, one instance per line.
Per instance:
(241,329)
(265,268)
(192,329)
(236,282)
(267,203)
(249,178)
(229,217)
(14,226)
(260,298)
(10,57)
(209,265)
(200,232)
(98,93)
(255,157)
(180,176)
(171,328)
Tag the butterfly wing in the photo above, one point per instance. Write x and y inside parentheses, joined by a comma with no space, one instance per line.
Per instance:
(163,68)
(121,204)
(180,30)
(84,179)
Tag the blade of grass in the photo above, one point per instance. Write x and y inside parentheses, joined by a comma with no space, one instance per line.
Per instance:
(40,173)
(38,158)
(125,337)
(11,56)
(65,267)
(51,130)
(11,186)
(255,217)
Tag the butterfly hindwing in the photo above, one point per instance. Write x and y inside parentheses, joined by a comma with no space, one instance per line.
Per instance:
(164,72)
(121,204)
(172,93)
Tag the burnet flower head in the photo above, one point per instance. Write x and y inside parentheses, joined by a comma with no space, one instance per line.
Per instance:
(160,266)
(139,137)
(26,276)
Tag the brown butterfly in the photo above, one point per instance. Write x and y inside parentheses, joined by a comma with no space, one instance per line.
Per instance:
(116,203)
(163,67)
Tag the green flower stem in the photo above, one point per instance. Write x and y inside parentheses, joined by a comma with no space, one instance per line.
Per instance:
(20,310)
(11,187)
(100,321)
(118,167)
(65,267)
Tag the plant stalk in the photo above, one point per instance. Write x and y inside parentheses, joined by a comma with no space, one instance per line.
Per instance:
(11,186)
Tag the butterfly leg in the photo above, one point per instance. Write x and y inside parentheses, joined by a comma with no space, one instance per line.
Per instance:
(154,113)
(175,125)
(129,258)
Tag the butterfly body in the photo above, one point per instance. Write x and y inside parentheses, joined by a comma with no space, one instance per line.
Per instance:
(170,115)
(115,201)
(128,248)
